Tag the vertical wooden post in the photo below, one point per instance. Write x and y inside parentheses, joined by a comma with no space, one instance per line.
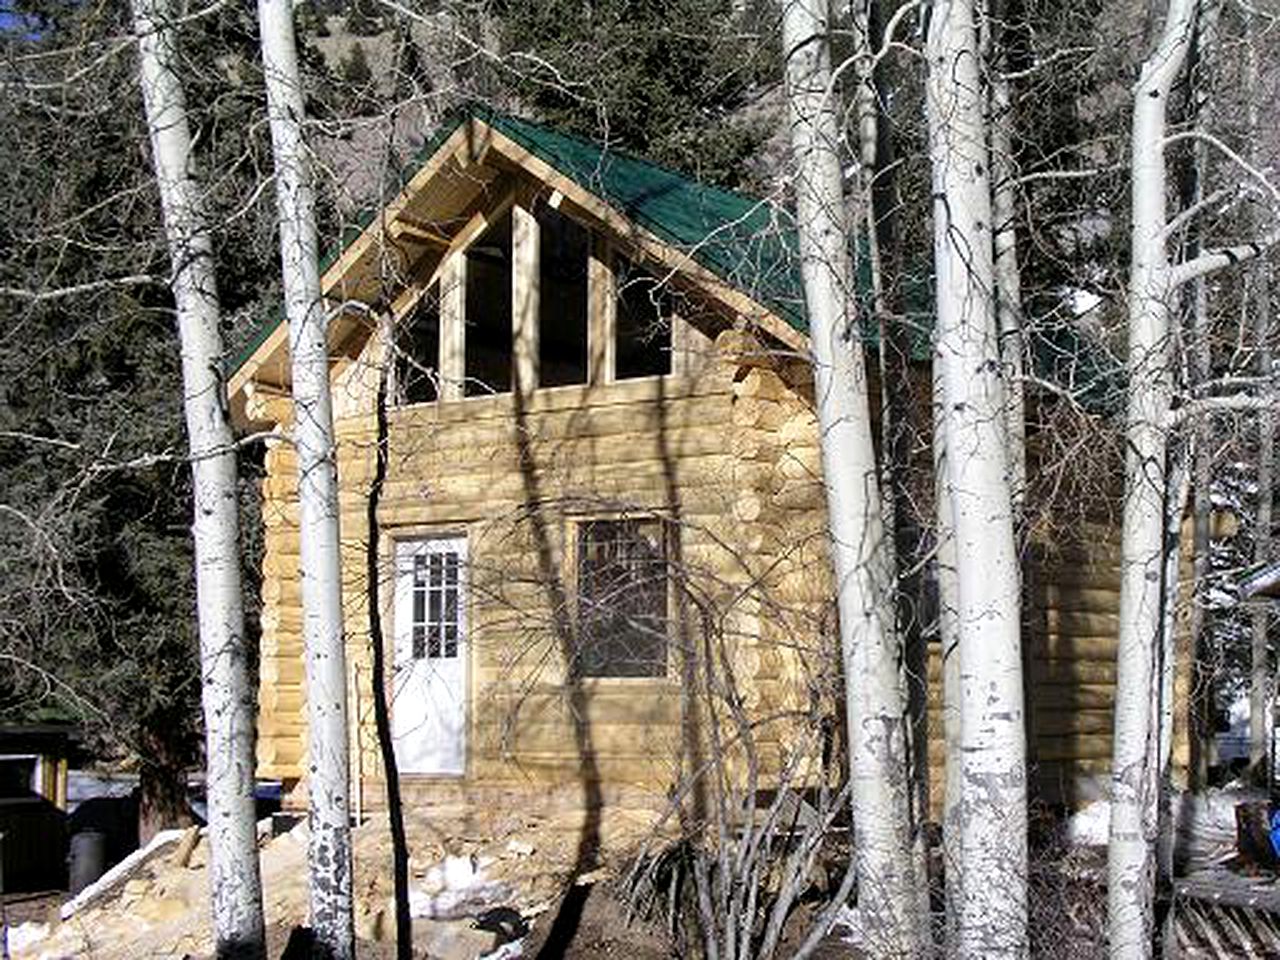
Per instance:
(60,787)
(690,347)
(679,346)
(453,329)
(525,277)
(602,301)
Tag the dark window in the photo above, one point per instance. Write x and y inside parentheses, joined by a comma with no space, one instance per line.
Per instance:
(435,606)
(418,350)
(488,347)
(17,777)
(622,598)
(643,323)
(562,299)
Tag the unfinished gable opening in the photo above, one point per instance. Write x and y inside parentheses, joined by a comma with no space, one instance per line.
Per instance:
(643,325)
(562,298)
(622,598)
(417,351)
(488,311)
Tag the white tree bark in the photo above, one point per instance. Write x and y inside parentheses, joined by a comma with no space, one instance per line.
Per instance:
(874,213)
(892,898)
(991,808)
(1261,690)
(1177,493)
(329,851)
(1135,764)
(234,881)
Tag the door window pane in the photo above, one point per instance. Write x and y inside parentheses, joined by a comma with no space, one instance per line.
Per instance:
(436,606)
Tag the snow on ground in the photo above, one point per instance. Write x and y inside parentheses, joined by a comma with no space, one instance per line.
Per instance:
(462,862)
(1089,826)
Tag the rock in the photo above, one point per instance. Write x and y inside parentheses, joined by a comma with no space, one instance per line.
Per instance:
(136,887)
(199,856)
(519,848)
(456,887)
(535,910)
(590,877)
(28,934)
(452,939)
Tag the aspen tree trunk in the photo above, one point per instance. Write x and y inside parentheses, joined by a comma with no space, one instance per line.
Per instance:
(992,805)
(891,895)
(329,851)
(1200,370)
(1261,690)
(1135,764)
(1177,490)
(235,884)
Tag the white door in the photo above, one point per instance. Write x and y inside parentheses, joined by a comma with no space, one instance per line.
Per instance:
(429,688)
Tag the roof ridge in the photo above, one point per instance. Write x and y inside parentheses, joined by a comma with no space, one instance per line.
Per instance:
(480,111)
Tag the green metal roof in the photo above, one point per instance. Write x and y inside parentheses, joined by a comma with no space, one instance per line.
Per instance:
(747,242)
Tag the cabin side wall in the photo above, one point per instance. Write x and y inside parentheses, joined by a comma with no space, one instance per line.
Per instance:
(726,454)
(730,456)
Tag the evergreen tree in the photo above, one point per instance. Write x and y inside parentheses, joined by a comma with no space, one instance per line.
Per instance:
(660,79)
(96,600)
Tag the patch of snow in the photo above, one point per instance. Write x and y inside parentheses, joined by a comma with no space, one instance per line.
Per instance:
(508,951)
(119,872)
(848,925)
(1233,743)
(454,888)
(1083,301)
(25,934)
(1220,599)
(1090,826)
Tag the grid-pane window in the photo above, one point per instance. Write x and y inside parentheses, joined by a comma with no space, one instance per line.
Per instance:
(435,606)
(622,598)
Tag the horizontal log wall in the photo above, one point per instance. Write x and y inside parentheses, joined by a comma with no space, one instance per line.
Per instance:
(730,457)
(703,452)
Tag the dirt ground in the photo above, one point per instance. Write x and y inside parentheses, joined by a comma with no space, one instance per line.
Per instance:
(463,863)
(517,872)
(26,907)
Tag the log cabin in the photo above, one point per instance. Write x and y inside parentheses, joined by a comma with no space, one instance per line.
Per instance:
(579,476)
